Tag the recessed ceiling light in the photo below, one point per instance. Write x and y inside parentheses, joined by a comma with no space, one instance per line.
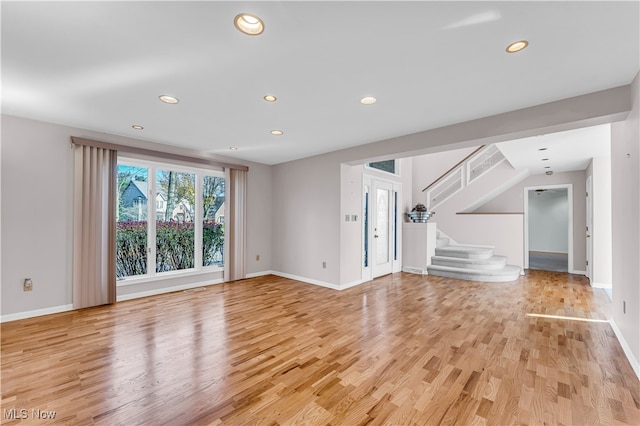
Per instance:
(545,159)
(368,100)
(517,46)
(137,127)
(168,99)
(233,148)
(549,172)
(542,149)
(249,24)
(547,167)
(277,132)
(270,98)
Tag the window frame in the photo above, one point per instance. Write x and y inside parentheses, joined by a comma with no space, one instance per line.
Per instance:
(153,166)
(396,167)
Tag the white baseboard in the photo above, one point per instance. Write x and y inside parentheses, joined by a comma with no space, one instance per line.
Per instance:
(352,284)
(260,274)
(163,290)
(36,313)
(307,280)
(600,285)
(414,270)
(66,308)
(578,272)
(626,348)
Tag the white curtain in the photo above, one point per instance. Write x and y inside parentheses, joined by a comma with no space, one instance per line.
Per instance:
(94,226)
(235,224)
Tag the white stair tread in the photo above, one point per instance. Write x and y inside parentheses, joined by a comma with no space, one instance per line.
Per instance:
(494,262)
(506,274)
(507,270)
(442,242)
(465,251)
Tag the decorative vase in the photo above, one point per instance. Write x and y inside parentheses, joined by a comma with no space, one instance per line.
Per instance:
(419,217)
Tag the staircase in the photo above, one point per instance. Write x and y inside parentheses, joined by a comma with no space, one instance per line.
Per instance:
(470,262)
(482,175)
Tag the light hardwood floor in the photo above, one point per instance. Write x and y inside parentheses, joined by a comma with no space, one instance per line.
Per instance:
(402,349)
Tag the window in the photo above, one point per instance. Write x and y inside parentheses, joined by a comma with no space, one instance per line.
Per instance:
(131,227)
(213,220)
(185,234)
(175,231)
(388,166)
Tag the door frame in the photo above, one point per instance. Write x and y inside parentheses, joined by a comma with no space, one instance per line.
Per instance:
(589,228)
(569,188)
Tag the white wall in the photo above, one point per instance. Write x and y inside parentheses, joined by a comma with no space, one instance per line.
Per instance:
(306,219)
(351,237)
(512,201)
(37,207)
(427,168)
(625,220)
(548,222)
(600,171)
(351,240)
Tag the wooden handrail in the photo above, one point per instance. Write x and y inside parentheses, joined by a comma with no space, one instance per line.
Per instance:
(453,168)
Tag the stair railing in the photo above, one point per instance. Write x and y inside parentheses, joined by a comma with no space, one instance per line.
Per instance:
(472,167)
(483,162)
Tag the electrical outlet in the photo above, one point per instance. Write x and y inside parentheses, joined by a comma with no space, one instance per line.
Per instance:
(324,265)
(27,285)
(257,257)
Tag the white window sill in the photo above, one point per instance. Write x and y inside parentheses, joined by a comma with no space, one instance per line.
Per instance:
(141,279)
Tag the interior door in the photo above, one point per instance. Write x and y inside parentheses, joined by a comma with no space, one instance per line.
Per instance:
(589,229)
(382,221)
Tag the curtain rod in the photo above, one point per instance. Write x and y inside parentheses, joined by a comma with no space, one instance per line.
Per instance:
(166,155)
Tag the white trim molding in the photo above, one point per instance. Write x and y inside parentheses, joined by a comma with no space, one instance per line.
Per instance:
(260,274)
(36,313)
(308,280)
(164,290)
(414,270)
(570,212)
(352,284)
(626,348)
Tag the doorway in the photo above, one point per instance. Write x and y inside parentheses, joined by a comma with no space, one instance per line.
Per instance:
(548,216)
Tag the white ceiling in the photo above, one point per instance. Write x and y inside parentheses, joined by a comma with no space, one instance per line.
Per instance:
(564,151)
(102,65)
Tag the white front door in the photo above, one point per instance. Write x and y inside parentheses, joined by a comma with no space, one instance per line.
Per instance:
(382,221)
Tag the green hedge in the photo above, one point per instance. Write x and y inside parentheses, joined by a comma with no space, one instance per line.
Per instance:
(174,246)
